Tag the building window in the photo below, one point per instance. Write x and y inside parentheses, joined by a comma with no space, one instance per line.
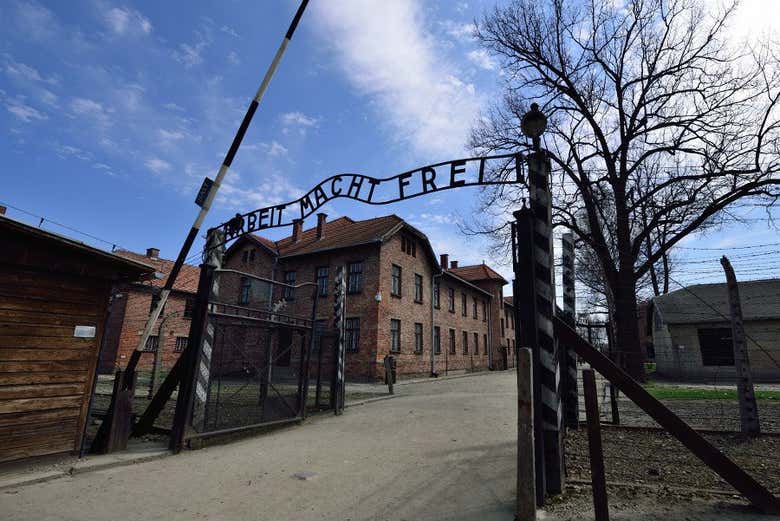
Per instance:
(474,308)
(451,300)
(452,341)
(319,332)
(503,331)
(152,343)
(354,277)
(716,346)
(484,344)
(395,290)
(181,344)
(437,340)
(476,343)
(351,334)
(418,338)
(395,335)
(464,307)
(155,300)
(414,248)
(436,302)
(418,288)
(245,256)
(465,343)
(244,291)
(322,281)
(289,279)
(484,311)
(189,304)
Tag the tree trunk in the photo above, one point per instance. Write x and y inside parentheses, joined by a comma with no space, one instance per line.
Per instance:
(628,348)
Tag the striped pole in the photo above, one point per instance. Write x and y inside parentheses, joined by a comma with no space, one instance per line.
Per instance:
(571,406)
(339,321)
(550,367)
(212,192)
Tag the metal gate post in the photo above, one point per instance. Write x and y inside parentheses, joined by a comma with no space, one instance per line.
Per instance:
(571,400)
(526,331)
(192,400)
(549,356)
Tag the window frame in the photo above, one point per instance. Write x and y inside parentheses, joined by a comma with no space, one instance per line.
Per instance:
(465,336)
(396,276)
(437,340)
(352,334)
(464,304)
(395,335)
(176,345)
(244,291)
(419,344)
(436,294)
(418,288)
(322,290)
(451,299)
(474,313)
(354,278)
(452,347)
(476,343)
(289,293)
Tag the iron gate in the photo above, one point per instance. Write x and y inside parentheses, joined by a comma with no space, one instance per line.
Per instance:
(253,366)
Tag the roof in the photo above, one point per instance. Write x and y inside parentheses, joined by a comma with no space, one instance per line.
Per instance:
(186,281)
(448,273)
(134,266)
(339,233)
(343,232)
(709,302)
(477,272)
(509,301)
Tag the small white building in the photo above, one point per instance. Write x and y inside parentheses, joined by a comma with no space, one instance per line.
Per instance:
(691,331)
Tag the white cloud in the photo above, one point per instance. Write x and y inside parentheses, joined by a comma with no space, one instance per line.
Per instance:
(157,165)
(49,98)
(122,20)
(459,31)
(274,188)
(297,121)
(24,71)
(190,55)
(386,51)
(35,21)
(233,58)
(229,30)
(174,106)
(171,135)
(86,106)
(481,58)
(70,150)
(276,149)
(24,112)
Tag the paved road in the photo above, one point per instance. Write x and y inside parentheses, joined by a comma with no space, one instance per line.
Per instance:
(442,450)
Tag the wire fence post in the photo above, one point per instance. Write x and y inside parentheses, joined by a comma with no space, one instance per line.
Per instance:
(598,479)
(748,408)
(526,473)
(526,332)
(571,400)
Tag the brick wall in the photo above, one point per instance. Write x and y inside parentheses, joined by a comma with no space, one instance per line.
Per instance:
(130,321)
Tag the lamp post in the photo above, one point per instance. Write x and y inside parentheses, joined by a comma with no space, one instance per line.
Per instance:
(533,125)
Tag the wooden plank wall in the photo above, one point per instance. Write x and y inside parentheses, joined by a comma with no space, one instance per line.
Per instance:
(45,373)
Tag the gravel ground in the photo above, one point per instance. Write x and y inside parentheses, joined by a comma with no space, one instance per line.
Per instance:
(656,458)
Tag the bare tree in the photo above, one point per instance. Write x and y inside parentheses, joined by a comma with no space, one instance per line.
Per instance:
(658,125)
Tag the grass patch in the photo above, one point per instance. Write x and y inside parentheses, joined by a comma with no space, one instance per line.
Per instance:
(674,392)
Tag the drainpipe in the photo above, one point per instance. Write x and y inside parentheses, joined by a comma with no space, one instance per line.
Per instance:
(490,333)
(433,325)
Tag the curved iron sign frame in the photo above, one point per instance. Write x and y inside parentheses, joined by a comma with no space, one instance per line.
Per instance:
(473,171)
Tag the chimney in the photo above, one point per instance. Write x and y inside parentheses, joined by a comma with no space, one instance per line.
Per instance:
(153,253)
(297,229)
(444,260)
(2,209)
(321,217)
(453,265)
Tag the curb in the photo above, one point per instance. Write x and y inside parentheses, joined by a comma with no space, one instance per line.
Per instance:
(82,468)
(370,400)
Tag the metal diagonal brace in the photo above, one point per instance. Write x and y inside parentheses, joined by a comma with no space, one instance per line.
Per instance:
(733,474)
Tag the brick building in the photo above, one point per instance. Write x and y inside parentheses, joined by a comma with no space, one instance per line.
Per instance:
(508,332)
(431,314)
(130,307)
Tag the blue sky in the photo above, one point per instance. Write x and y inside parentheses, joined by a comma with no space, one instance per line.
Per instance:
(112,113)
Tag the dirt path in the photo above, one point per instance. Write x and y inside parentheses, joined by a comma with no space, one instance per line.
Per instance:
(441,450)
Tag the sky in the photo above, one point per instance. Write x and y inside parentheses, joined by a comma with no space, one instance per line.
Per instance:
(111,114)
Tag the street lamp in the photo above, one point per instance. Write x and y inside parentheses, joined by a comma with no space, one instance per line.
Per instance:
(533,125)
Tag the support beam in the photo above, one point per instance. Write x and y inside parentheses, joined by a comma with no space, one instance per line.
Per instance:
(595,450)
(571,411)
(526,473)
(692,440)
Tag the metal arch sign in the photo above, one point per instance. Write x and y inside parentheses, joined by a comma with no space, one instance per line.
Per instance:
(475,171)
